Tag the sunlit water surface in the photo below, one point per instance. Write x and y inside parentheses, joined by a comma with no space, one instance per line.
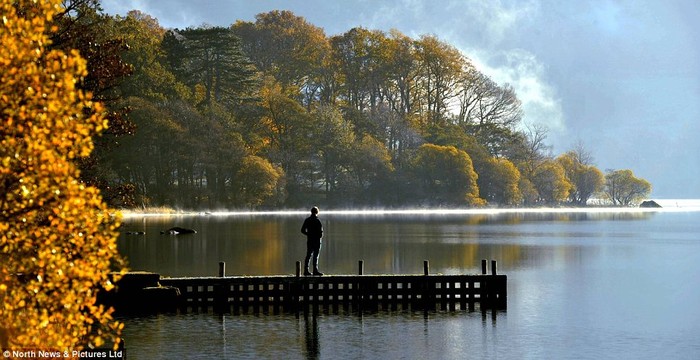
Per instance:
(593,284)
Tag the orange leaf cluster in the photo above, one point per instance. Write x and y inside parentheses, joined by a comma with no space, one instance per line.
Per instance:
(57,238)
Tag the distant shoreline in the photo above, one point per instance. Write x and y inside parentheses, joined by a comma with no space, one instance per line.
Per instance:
(667,206)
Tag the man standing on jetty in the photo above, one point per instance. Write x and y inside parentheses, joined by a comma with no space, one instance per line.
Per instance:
(313,229)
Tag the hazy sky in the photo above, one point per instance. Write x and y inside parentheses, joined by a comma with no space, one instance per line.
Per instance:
(621,77)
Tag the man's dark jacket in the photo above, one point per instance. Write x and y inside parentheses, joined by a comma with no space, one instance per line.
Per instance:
(312,228)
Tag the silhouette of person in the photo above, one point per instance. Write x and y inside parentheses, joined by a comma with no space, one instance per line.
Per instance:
(313,229)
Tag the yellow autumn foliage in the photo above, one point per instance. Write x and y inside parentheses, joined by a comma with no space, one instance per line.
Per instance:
(58,239)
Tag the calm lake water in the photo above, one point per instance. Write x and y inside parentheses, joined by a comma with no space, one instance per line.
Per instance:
(597,284)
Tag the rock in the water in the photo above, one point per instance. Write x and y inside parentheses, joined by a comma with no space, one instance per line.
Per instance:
(649,204)
(178,230)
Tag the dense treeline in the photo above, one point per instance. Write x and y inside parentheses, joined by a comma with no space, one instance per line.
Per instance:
(275,113)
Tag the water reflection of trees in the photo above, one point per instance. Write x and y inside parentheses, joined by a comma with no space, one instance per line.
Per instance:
(454,243)
(506,216)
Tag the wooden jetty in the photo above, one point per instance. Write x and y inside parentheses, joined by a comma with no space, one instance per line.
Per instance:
(290,292)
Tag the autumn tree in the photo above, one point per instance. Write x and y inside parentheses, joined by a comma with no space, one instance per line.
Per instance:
(212,61)
(81,26)
(150,78)
(372,169)
(256,182)
(499,182)
(334,138)
(625,189)
(58,238)
(160,107)
(441,67)
(589,181)
(223,81)
(362,60)
(402,73)
(149,157)
(288,48)
(446,175)
(488,111)
(528,151)
(143,161)
(398,116)
(586,180)
(285,128)
(551,183)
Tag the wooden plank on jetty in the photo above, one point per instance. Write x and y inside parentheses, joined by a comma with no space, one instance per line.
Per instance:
(294,291)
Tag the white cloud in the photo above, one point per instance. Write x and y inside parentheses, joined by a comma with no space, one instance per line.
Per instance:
(485,35)
(485,31)
(526,74)
(174,16)
(499,20)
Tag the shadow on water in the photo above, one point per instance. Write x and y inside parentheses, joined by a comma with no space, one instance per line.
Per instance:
(312,348)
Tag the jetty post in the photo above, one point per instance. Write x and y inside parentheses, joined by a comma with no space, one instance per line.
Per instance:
(222,269)
(220,290)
